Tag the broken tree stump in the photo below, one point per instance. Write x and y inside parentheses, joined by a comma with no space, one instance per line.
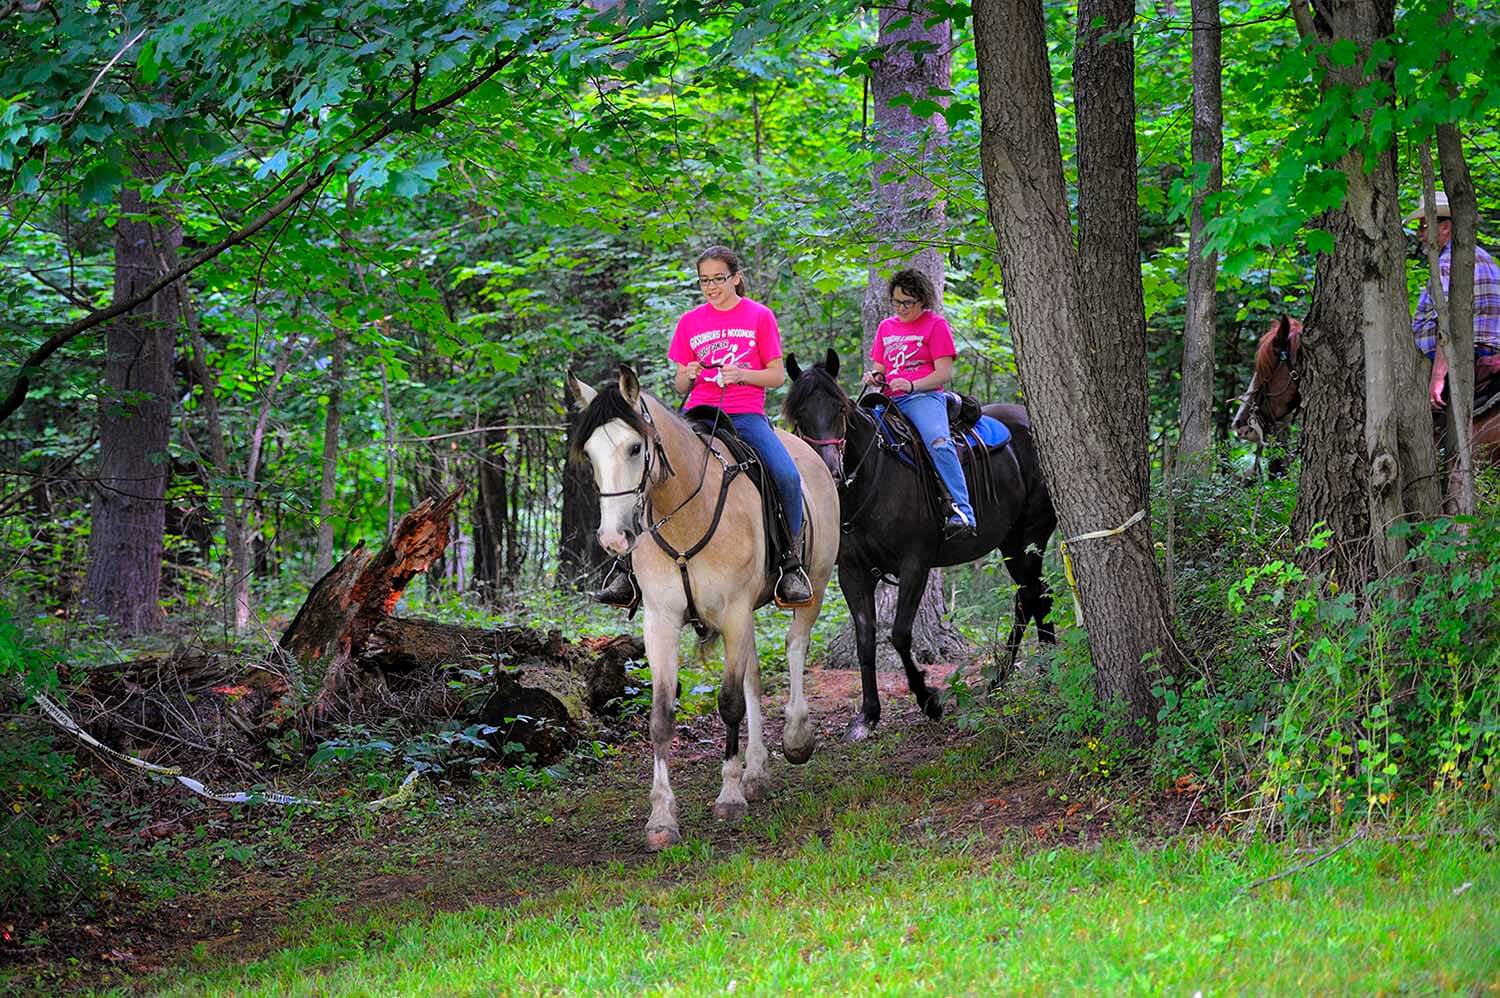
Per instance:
(545,689)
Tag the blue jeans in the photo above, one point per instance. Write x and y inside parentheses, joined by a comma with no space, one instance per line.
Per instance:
(755,429)
(928,414)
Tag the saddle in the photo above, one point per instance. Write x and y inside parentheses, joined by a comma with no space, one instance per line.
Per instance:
(975,437)
(710,422)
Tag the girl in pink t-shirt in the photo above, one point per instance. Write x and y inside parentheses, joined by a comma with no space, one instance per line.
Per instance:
(913,357)
(728,352)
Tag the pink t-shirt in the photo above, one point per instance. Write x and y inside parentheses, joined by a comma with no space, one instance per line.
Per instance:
(743,336)
(908,349)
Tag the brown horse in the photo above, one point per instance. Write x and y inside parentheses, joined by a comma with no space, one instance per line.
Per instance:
(692,527)
(1274,394)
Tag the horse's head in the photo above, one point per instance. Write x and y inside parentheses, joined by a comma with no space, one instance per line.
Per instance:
(818,409)
(1273,393)
(612,437)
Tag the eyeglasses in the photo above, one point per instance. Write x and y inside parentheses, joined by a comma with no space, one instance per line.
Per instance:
(717,281)
(903,303)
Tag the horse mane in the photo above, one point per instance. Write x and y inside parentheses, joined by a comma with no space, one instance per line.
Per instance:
(607,406)
(1266,353)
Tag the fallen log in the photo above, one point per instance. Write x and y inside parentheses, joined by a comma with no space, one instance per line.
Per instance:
(545,690)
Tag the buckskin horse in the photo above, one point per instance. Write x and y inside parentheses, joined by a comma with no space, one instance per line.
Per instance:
(889,528)
(692,525)
(1274,394)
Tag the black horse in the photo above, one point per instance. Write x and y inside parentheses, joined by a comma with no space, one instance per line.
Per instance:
(890,529)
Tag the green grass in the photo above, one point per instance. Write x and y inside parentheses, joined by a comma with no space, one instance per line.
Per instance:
(872,909)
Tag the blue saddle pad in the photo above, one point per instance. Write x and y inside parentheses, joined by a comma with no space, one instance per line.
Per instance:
(987,436)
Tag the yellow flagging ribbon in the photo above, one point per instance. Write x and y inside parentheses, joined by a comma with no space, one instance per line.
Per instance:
(1092,535)
(60,717)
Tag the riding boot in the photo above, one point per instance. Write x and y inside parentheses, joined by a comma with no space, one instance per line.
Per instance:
(620,588)
(793,587)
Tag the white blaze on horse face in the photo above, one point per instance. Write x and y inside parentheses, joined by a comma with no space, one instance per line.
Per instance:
(618,456)
(1246,424)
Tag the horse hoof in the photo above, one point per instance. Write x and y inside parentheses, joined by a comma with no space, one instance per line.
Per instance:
(731,811)
(933,709)
(798,753)
(658,837)
(859,730)
(756,789)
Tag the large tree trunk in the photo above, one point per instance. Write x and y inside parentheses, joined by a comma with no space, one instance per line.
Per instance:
(1459,343)
(1196,402)
(1332,488)
(1398,453)
(135,420)
(908,221)
(1079,327)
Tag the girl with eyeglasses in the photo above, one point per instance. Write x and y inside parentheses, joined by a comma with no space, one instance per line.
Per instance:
(728,352)
(913,357)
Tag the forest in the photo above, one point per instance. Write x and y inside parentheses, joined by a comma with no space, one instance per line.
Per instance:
(301,686)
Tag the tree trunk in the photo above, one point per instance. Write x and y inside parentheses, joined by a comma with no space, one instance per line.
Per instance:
(328,486)
(1459,343)
(345,606)
(1332,489)
(135,420)
(908,220)
(491,512)
(1398,451)
(1079,327)
(1196,403)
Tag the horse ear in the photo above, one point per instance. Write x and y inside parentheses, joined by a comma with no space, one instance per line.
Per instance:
(1283,331)
(580,392)
(831,363)
(630,385)
(793,370)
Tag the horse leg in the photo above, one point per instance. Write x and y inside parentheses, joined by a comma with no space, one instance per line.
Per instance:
(859,591)
(661,652)
(739,649)
(913,584)
(1033,603)
(797,737)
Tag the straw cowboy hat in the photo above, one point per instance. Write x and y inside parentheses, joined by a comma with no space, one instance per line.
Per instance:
(1440,203)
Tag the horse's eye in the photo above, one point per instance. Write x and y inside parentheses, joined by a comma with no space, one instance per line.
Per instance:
(635,449)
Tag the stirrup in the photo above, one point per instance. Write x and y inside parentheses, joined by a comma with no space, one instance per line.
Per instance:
(958,526)
(793,604)
(620,590)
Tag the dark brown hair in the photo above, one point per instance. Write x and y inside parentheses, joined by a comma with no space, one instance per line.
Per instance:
(914,283)
(728,258)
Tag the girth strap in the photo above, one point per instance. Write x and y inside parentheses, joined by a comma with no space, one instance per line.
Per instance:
(682,557)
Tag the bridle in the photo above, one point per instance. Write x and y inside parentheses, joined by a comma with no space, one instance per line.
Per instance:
(643,507)
(1257,395)
(841,442)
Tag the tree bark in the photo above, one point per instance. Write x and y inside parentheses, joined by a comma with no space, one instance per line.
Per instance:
(1196,402)
(1459,343)
(135,421)
(1369,252)
(1079,327)
(908,219)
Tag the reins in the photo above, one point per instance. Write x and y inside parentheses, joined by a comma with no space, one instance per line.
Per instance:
(681,558)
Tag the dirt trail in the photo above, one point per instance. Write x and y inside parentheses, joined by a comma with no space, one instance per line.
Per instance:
(495,845)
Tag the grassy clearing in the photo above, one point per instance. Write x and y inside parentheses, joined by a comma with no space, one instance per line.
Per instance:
(871,908)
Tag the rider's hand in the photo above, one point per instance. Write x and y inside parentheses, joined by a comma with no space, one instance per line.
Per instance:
(692,370)
(1435,393)
(874,378)
(732,375)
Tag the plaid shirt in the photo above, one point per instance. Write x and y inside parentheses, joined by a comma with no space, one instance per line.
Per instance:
(1424,324)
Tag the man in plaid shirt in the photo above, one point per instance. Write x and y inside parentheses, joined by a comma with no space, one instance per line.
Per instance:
(1424,324)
